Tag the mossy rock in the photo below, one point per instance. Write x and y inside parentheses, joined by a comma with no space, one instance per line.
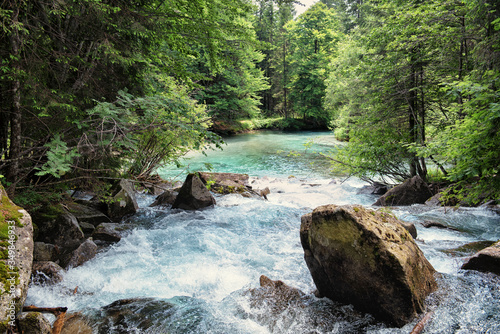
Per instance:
(368,259)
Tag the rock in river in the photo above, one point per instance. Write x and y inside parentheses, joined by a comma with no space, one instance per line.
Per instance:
(193,195)
(486,260)
(411,191)
(366,258)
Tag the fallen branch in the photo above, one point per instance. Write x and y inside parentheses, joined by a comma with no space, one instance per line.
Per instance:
(419,327)
(53,310)
(59,312)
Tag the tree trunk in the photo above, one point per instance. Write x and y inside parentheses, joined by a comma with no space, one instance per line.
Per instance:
(15,114)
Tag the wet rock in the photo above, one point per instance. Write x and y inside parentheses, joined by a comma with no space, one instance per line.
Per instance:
(429,224)
(229,183)
(486,260)
(82,254)
(411,191)
(276,293)
(34,323)
(149,315)
(469,249)
(410,227)
(110,232)
(366,258)
(376,188)
(193,195)
(44,252)
(47,272)
(87,214)
(76,323)
(166,198)
(122,202)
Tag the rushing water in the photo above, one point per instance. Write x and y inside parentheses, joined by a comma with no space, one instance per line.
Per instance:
(194,269)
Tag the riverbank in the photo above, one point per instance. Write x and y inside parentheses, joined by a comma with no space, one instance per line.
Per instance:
(231,127)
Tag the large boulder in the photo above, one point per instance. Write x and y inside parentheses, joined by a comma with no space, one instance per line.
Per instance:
(486,260)
(16,258)
(368,259)
(59,227)
(193,195)
(122,201)
(411,191)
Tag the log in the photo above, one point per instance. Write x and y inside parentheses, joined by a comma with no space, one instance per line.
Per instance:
(59,323)
(419,327)
(53,310)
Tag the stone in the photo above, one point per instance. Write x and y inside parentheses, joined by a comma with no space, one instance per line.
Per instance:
(429,224)
(469,249)
(166,198)
(76,323)
(486,260)
(366,258)
(87,214)
(82,254)
(44,252)
(122,202)
(410,227)
(193,195)
(34,323)
(61,230)
(21,233)
(225,183)
(376,188)
(276,293)
(110,232)
(47,272)
(87,228)
(411,191)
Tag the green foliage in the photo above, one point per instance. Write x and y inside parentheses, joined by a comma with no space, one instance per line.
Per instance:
(313,37)
(59,158)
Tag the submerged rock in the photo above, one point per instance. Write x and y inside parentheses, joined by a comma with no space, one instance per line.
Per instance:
(486,260)
(147,315)
(276,293)
(47,272)
(366,258)
(469,248)
(193,195)
(411,191)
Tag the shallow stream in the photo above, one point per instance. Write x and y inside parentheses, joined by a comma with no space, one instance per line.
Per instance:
(197,267)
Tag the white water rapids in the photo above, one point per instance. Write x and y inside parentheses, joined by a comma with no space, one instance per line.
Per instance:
(200,264)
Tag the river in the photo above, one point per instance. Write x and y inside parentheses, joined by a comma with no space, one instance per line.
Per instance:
(197,267)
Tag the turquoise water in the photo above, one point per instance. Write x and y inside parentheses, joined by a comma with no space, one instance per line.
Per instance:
(196,268)
(267,153)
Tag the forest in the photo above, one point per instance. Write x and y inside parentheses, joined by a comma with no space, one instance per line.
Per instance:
(99,89)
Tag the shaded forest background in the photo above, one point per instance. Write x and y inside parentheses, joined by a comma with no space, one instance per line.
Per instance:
(99,89)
